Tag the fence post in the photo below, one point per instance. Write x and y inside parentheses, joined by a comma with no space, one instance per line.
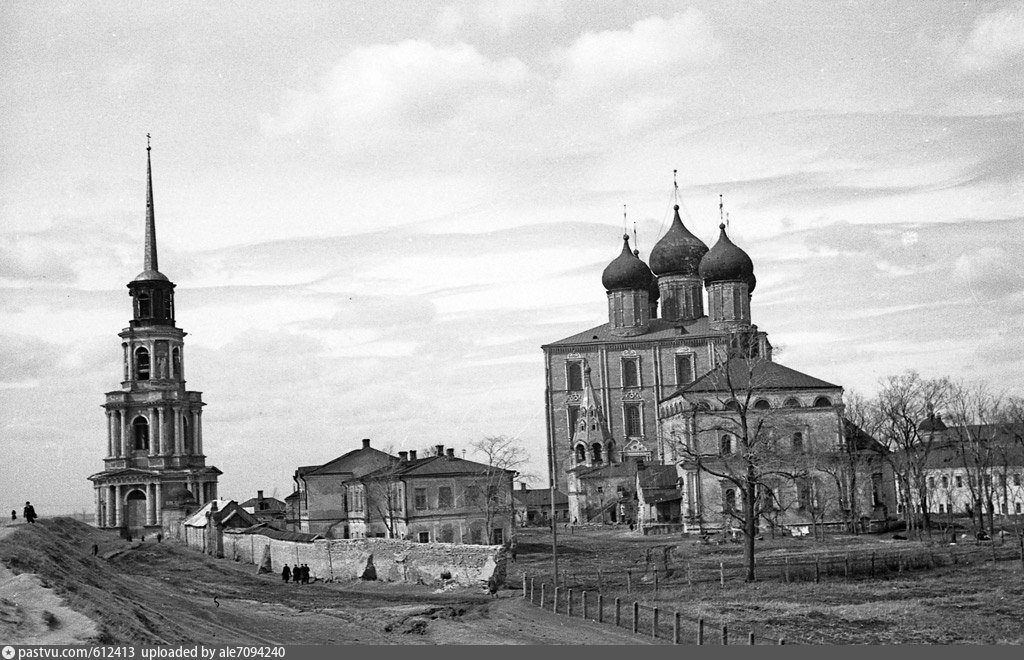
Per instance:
(524,586)
(629,580)
(721,572)
(584,594)
(618,610)
(725,635)
(600,581)
(654,625)
(1021,539)
(750,638)
(531,590)
(554,604)
(700,631)
(817,569)
(636,616)
(542,594)
(675,629)
(600,608)
(899,563)
(568,603)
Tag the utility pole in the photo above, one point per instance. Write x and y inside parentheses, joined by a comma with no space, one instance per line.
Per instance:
(554,521)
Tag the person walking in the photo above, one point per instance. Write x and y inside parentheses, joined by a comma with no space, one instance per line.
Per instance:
(286,573)
(29,514)
(14,514)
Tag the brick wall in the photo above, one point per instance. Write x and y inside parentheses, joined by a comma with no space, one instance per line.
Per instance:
(394,560)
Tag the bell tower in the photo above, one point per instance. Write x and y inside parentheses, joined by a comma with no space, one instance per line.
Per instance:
(155,469)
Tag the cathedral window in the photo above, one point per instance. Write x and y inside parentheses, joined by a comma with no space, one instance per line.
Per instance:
(729,500)
(792,402)
(140,428)
(581,453)
(574,376)
(733,405)
(176,363)
(725,445)
(762,404)
(142,364)
(822,402)
(595,452)
(633,426)
(684,368)
(630,372)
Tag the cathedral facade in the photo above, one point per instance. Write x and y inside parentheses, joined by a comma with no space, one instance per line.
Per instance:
(155,471)
(625,394)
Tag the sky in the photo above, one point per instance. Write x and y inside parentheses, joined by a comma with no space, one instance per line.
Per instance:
(376,213)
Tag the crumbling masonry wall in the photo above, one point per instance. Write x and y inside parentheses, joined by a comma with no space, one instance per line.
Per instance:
(393,560)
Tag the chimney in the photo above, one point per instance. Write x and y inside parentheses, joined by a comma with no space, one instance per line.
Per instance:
(403,455)
(412,454)
(522,486)
(451,453)
(259,494)
(440,449)
(366,443)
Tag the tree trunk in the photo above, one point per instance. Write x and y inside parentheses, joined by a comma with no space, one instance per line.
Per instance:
(749,521)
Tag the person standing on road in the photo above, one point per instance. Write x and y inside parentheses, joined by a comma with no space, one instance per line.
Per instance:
(286,573)
(29,514)
(14,514)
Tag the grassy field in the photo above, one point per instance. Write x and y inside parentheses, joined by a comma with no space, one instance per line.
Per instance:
(909,601)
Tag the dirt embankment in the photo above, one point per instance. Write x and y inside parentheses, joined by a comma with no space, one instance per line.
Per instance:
(149,593)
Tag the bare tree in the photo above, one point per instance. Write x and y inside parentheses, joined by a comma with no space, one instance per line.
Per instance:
(975,412)
(904,401)
(492,488)
(385,499)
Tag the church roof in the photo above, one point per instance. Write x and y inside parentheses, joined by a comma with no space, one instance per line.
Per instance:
(757,374)
(539,497)
(658,329)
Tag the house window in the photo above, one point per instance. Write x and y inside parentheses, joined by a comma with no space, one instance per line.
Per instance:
(574,418)
(444,497)
(762,404)
(959,481)
(424,537)
(1016,480)
(1016,507)
(472,495)
(822,402)
(475,535)
(140,427)
(633,421)
(142,364)
(574,376)
(420,495)
(725,445)
(942,508)
(931,482)
(630,372)
(684,368)
(792,403)
(1004,507)
(798,442)
(945,482)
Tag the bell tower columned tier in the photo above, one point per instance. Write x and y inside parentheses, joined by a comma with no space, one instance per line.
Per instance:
(155,468)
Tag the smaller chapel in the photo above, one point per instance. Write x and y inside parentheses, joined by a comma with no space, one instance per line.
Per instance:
(154,470)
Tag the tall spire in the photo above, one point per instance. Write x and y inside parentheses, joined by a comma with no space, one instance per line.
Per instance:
(149,262)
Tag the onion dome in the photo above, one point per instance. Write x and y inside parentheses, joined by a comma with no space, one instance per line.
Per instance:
(653,292)
(933,424)
(626,271)
(725,262)
(678,252)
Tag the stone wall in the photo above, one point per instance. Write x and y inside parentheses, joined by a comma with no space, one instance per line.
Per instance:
(393,560)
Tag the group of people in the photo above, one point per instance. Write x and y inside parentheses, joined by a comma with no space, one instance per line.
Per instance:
(28,513)
(300,575)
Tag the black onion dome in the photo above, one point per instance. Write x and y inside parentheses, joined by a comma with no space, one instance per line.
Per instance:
(725,262)
(678,252)
(626,271)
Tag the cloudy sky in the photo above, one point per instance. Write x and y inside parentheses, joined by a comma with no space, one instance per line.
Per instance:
(376,213)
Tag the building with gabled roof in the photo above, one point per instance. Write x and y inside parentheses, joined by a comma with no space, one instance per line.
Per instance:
(533,506)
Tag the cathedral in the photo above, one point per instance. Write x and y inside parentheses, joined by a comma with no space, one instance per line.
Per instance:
(154,472)
(631,393)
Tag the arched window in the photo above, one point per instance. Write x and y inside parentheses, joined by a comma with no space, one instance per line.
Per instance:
(630,372)
(610,451)
(581,453)
(732,404)
(792,402)
(176,363)
(762,404)
(822,402)
(141,364)
(729,501)
(140,428)
(704,406)
(633,421)
(145,306)
(798,442)
(574,376)
(725,445)
(595,452)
